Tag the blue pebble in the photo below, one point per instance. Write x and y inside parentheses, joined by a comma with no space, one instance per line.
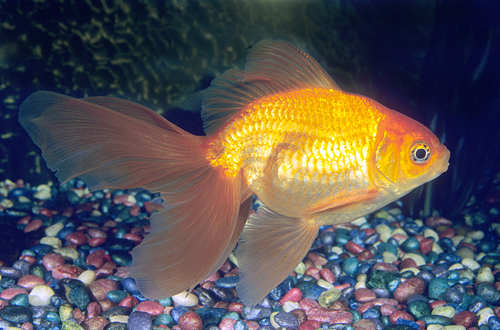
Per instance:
(371,313)
(347,279)
(453,258)
(494,323)
(227,282)
(350,265)
(240,325)
(41,249)
(139,320)
(116,295)
(53,317)
(358,240)
(20,299)
(409,323)
(310,290)
(177,312)
(70,228)
(130,286)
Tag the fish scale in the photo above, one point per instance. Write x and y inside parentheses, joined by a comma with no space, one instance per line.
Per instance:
(305,138)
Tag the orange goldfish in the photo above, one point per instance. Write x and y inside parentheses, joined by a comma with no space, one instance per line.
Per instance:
(282,129)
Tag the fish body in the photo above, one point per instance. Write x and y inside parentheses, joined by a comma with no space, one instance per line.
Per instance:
(282,129)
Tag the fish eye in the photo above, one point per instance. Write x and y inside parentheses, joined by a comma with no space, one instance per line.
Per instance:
(420,152)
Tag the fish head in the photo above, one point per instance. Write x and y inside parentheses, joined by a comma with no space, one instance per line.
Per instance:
(407,154)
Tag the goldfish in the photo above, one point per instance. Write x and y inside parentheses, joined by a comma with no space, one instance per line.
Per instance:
(282,129)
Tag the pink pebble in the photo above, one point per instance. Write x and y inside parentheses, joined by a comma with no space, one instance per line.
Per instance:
(29,281)
(94,233)
(317,259)
(227,324)
(190,321)
(365,255)
(77,238)
(426,245)
(400,315)
(133,237)
(27,326)
(8,294)
(46,212)
(95,323)
(408,288)
(385,266)
(294,295)
(448,232)
(99,288)
(387,309)
(408,263)
(252,325)
(129,302)
(30,259)
(312,271)
(364,295)
(308,303)
(327,275)
(94,309)
(354,248)
(52,260)
(327,316)
(134,210)
(310,325)
(235,307)
(33,225)
(96,241)
(97,258)
(153,308)
(150,207)
(66,271)
(434,222)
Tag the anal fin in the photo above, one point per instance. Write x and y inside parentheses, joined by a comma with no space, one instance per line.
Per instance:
(270,247)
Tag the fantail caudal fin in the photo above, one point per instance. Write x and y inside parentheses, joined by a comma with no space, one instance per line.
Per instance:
(113,143)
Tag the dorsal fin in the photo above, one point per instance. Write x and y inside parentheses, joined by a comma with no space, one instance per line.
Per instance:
(272,67)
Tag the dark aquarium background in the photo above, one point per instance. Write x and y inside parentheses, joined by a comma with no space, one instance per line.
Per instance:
(435,61)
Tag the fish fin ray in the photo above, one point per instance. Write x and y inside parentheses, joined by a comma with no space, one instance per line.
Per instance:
(105,147)
(272,67)
(191,238)
(271,245)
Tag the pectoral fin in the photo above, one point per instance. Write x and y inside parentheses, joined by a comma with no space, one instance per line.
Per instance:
(270,247)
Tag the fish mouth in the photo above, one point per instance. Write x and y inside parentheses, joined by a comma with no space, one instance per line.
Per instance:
(444,163)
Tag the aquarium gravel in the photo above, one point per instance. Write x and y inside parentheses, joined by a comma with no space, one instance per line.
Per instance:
(385,271)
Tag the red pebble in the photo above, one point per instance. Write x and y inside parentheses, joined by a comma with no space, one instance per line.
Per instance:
(437,303)
(310,325)
(354,248)
(470,246)
(133,237)
(312,271)
(29,281)
(300,315)
(408,263)
(252,325)
(27,326)
(46,212)
(24,220)
(33,225)
(52,260)
(190,321)
(94,233)
(399,237)
(364,295)
(422,325)
(326,316)
(235,307)
(66,271)
(387,309)
(96,241)
(449,233)
(219,304)
(97,258)
(434,222)
(129,302)
(327,275)
(153,308)
(77,238)
(377,302)
(101,287)
(134,210)
(426,245)
(78,315)
(317,259)
(227,324)
(308,303)
(365,255)
(150,207)
(94,309)
(369,231)
(408,288)
(8,294)
(95,323)
(385,266)
(400,315)
(106,304)
(465,318)
(294,295)
(30,259)
(364,324)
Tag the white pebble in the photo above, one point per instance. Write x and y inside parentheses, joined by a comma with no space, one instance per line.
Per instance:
(290,306)
(400,231)
(435,327)
(467,273)
(43,195)
(324,284)
(40,295)
(87,277)
(485,275)
(52,241)
(454,327)
(119,319)
(457,239)
(413,269)
(384,231)
(470,263)
(476,235)
(185,299)
(53,230)
(359,222)
(389,257)
(360,285)
(337,250)
(456,267)
(300,269)
(484,314)
(429,233)
(68,253)
(437,248)
(419,260)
